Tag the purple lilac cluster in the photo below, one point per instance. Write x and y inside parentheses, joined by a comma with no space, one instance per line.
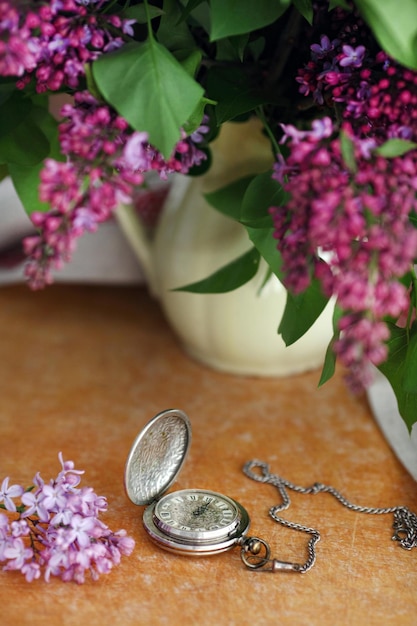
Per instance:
(347,220)
(350,74)
(53,41)
(57,531)
(106,162)
(351,230)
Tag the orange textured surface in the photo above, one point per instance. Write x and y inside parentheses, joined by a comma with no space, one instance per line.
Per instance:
(83,369)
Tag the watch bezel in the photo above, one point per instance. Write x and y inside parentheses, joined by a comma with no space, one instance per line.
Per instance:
(205,543)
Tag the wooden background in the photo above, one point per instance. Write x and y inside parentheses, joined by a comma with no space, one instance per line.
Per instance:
(83,369)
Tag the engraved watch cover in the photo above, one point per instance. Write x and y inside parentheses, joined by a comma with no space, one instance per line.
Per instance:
(157,455)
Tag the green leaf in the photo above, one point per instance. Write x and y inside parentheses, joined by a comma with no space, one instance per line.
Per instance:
(235,92)
(247,201)
(394,26)
(190,60)
(395,370)
(25,143)
(229,277)
(194,121)
(305,7)
(4,171)
(173,31)
(228,199)
(26,178)
(13,111)
(301,311)
(410,367)
(232,48)
(6,90)
(149,87)
(348,151)
(395,147)
(190,6)
(235,17)
(91,83)
(257,46)
(329,365)
(264,242)
(261,194)
(138,13)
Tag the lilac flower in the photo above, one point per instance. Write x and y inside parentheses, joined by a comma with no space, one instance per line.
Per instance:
(16,554)
(135,153)
(19,528)
(53,497)
(282,170)
(127,27)
(31,571)
(80,527)
(352,57)
(321,128)
(291,132)
(58,532)
(366,147)
(8,493)
(33,502)
(321,50)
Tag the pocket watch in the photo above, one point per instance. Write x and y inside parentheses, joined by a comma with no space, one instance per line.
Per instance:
(200,522)
(190,521)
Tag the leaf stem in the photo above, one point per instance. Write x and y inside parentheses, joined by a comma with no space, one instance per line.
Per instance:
(413,303)
(148,21)
(260,113)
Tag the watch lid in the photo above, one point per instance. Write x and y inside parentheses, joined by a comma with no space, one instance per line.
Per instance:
(157,455)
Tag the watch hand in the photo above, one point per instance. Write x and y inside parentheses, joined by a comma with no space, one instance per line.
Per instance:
(200,510)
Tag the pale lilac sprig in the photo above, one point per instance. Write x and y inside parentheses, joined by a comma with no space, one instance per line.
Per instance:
(57,531)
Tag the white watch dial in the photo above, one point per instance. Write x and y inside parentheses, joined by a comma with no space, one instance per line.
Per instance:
(196,514)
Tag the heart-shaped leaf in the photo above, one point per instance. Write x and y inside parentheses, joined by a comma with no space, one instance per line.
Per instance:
(146,84)
(234,17)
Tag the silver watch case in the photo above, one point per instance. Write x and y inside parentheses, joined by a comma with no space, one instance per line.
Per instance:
(154,462)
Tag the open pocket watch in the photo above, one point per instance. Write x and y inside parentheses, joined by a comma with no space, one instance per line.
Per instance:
(190,521)
(196,522)
(200,522)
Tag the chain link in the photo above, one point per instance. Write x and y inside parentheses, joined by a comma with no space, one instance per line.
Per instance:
(405,521)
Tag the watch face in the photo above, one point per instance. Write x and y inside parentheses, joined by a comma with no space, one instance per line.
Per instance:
(196,514)
(196,521)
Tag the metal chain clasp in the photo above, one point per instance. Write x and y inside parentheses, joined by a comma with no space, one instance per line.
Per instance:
(255,554)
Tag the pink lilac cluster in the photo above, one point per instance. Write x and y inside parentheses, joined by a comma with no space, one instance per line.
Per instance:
(350,229)
(106,163)
(57,530)
(53,41)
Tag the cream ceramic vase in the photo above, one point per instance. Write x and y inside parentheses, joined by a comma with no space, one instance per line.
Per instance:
(234,332)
